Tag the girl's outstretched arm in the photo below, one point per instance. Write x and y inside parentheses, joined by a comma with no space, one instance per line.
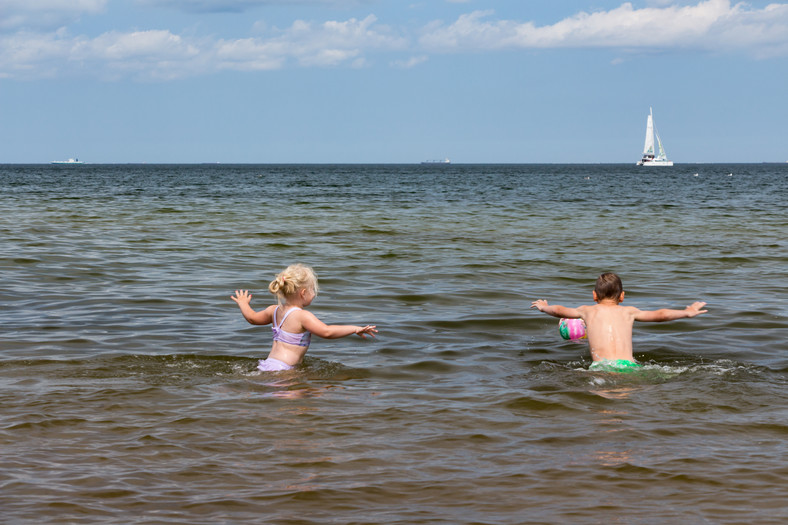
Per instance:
(311,323)
(243,298)
(556,310)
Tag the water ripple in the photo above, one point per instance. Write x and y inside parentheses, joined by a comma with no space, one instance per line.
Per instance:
(130,391)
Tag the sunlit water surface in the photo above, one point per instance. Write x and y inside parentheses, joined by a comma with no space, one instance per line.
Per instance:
(128,388)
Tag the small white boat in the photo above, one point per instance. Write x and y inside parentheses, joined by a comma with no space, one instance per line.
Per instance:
(69,161)
(649,158)
(444,161)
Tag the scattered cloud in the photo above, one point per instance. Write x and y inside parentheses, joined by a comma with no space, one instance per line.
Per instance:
(711,25)
(35,40)
(160,54)
(411,62)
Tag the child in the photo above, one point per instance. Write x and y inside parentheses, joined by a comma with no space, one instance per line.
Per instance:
(292,325)
(609,325)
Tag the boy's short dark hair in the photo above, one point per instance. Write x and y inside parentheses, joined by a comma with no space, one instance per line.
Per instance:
(608,286)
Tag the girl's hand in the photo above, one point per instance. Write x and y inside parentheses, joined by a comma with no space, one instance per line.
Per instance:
(363,331)
(242,297)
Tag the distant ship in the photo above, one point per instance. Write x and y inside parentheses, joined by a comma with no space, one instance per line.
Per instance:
(444,161)
(69,161)
(649,159)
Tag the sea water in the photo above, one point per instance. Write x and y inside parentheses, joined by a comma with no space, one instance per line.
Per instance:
(128,383)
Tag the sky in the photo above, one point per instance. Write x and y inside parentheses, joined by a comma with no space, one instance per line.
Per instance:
(391,81)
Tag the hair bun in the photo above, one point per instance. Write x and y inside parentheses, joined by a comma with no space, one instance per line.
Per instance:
(295,277)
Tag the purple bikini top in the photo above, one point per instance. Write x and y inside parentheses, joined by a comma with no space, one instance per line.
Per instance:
(302,339)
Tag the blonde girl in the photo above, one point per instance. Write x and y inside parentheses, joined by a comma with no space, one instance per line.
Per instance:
(295,289)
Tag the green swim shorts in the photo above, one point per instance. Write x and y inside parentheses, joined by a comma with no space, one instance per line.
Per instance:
(614,365)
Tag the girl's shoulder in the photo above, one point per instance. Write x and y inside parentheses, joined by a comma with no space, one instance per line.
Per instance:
(292,312)
(301,313)
(269,310)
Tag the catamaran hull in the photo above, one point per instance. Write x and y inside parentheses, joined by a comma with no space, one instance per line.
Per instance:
(655,163)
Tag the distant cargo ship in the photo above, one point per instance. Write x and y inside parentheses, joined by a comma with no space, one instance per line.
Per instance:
(69,161)
(444,161)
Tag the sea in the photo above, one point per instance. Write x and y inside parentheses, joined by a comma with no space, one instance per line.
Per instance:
(129,392)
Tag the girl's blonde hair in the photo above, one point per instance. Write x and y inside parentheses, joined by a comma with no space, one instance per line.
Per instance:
(292,279)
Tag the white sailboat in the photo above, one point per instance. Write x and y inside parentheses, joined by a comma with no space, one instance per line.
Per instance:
(649,158)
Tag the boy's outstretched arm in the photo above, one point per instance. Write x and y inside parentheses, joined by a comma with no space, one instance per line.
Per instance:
(666,314)
(556,310)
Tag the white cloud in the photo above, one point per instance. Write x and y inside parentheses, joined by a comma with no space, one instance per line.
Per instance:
(248,54)
(160,54)
(333,42)
(709,25)
(327,44)
(154,54)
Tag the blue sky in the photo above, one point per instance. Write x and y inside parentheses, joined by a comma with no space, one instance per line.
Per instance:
(391,81)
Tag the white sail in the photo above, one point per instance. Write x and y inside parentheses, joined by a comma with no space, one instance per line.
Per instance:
(648,148)
(649,158)
(661,155)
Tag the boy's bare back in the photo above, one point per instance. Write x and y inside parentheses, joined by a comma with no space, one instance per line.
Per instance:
(609,329)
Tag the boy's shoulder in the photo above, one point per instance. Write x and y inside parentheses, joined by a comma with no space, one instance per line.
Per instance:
(611,307)
(602,306)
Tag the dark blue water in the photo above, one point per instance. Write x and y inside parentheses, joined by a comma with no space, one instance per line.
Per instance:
(127,375)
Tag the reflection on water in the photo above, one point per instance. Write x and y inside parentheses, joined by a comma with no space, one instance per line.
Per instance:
(613,458)
(615,393)
(297,390)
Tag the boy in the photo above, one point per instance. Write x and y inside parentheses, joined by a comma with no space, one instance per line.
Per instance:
(609,325)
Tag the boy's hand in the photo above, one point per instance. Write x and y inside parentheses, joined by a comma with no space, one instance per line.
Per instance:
(539,304)
(695,309)
(242,297)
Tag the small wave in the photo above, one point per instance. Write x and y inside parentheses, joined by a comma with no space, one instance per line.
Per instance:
(171,368)
(533,405)
(655,371)
(720,367)
(431,365)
